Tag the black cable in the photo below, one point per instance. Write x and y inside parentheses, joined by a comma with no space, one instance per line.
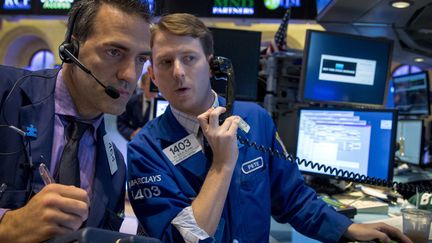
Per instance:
(341,174)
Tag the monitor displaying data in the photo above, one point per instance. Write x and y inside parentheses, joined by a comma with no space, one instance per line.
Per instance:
(359,141)
(410,139)
(411,94)
(345,69)
(159,106)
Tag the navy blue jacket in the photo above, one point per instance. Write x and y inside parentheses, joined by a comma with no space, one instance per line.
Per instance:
(32,103)
(262,186)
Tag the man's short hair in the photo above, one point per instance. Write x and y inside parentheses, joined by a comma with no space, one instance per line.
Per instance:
(87,10)
(184,24)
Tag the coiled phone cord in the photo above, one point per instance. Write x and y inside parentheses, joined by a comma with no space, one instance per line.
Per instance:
(342,174)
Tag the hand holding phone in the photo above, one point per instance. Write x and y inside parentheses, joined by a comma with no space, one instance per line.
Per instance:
(222,70)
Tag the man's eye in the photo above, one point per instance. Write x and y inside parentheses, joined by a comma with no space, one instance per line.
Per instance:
(143,59)
(113,52)
(189,58)
(165,63)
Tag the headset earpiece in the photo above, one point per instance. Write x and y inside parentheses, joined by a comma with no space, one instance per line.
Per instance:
(72,47)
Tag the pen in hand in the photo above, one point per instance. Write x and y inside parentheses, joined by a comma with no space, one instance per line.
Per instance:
(46,177)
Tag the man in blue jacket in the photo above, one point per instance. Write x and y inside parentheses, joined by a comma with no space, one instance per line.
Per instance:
(179,193)
(110,38)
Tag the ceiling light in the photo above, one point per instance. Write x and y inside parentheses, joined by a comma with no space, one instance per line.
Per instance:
(418,59)
(401,4)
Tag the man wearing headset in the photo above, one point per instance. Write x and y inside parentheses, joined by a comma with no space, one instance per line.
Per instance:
(104,52)
(178,193)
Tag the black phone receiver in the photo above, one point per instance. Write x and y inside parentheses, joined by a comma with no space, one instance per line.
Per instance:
(222,69)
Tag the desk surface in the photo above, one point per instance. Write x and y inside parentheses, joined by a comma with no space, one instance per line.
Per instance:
(284,233)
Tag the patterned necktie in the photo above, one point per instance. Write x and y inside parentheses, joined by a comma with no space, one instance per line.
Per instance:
(69,169)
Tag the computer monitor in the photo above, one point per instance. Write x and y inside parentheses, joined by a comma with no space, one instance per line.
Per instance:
(411,94)
(243,49)
(159,106)
(409,136)
(345,69)
(356,140)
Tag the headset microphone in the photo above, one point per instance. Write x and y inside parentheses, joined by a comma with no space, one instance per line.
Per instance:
(109,90)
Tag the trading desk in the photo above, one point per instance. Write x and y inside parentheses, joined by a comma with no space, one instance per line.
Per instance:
(284,233)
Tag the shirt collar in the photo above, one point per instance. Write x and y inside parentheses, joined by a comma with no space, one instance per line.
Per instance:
(190,123)
(64,105)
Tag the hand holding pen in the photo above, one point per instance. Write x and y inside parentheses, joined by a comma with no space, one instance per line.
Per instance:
(56,206)
(46,177)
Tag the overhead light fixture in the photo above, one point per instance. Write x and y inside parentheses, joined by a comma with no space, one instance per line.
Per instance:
(419,59)
(401,4)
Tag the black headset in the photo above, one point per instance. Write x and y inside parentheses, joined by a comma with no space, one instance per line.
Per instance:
(69,44)
(69,50)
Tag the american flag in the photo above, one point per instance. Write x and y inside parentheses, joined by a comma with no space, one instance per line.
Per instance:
(279,42)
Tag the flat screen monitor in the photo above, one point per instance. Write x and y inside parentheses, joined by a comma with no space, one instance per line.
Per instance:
(411,94)
(356,140)
(345,69)
(409,136)
(243,49)
(159,106)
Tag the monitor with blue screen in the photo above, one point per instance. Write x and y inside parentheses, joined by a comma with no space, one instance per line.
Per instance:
(409,136)
(345,69)
(359,141)
(411,94)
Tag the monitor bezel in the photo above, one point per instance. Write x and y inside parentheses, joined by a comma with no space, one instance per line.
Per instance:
(422,141)
(401,113)
(354,109)
(306,53)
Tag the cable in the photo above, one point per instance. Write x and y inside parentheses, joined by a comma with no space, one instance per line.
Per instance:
(341,174)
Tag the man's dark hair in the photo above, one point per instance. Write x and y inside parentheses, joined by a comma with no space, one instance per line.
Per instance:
(87,10)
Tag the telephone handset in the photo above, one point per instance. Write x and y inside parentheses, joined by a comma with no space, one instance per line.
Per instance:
(222,70)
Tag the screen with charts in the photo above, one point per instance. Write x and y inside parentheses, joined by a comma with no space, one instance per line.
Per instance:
(359,141)
(410,139)
(159,106)
(345,69)
(411,94)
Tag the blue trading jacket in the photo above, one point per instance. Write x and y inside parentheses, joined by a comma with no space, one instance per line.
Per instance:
(159,190)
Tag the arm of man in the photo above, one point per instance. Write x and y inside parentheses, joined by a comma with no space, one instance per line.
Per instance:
(55,210)
(158,192)
(208,205)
